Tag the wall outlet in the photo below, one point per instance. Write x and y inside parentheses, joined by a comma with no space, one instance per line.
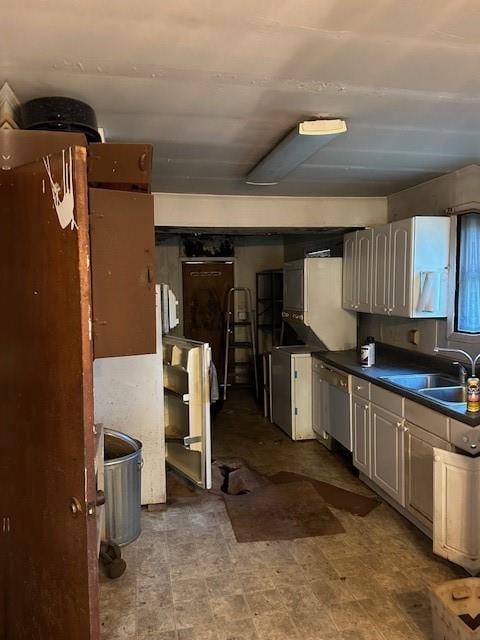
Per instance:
(242,315)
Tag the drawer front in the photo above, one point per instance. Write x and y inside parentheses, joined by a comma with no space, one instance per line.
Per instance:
(361,387)
(465,437)
(432,421)
(388,400)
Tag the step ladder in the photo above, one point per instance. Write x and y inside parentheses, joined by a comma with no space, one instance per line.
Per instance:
(231,341)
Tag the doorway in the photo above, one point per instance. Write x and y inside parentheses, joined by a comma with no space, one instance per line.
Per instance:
(205,288)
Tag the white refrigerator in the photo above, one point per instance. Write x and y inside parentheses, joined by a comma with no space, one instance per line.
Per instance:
(291,388)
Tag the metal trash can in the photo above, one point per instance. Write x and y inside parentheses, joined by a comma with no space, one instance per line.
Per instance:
(456,609)
(123,471)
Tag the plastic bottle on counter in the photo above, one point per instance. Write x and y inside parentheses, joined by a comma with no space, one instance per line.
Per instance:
(367,352)
(473,395)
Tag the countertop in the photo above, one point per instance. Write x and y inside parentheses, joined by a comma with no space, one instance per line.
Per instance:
(391,362)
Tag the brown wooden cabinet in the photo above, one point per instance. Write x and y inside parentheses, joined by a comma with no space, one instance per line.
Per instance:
(122,166)
(122,237)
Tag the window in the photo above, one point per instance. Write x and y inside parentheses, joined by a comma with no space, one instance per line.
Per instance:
(467,298)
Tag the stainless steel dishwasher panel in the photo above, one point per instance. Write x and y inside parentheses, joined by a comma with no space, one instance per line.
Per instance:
(339,406)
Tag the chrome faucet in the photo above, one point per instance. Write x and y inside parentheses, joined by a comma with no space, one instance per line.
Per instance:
(473,361)
(462,373)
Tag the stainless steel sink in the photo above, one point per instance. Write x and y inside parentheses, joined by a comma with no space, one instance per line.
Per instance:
(417,381)
(447,395)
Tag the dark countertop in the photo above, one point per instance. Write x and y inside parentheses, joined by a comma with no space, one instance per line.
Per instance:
(391,362)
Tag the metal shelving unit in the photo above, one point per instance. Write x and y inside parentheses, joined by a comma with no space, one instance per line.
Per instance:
(269,305)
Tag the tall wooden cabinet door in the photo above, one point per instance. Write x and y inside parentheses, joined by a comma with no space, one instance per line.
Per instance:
(363,268)
(349,299)
(456,521)
(46,400)
(388,455)
(122,232)
(400,268)
(361,435)
(381,266)
(419,452)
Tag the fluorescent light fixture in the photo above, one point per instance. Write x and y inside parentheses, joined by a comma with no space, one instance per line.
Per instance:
(297,146)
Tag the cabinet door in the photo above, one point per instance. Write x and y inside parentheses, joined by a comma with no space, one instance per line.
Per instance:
(122,234)
(456,521)
(419,448)
(319,401)
(381,264)
(302,398)
(361,435)
(47,514)
(349,271)
(388,456)
(363,269)
(316,399)
(400,268)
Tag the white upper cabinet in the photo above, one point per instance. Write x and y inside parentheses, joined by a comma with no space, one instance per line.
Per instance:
(349,273)
(399,269)
(381,269)
(357,271)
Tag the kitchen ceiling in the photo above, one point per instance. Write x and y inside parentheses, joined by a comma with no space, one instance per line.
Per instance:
(214,85)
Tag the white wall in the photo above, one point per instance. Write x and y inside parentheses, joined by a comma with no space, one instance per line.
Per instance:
(196,210)
(256,253)
(434,196)
(128,397)
(168,271)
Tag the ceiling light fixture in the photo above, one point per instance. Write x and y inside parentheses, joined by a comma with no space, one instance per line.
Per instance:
(296,147)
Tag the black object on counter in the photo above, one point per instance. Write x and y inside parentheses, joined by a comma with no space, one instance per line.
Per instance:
(58,113)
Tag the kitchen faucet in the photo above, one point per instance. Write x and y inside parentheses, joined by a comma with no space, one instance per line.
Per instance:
(473,361)
(462,373)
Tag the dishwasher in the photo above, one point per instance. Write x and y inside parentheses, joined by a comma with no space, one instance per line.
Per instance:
(338,418)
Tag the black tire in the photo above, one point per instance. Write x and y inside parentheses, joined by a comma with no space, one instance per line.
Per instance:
(116,568)
(112,550)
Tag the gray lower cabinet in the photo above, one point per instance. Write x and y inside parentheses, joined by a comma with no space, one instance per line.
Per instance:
(361,435)
(419,457)
(388,452)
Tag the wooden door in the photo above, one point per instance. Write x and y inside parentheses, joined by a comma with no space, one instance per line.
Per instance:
(400,268)
(122,230)
(46,399)
(361,435)
(205,288)
(363,269)
(381,263)
(419,447)
(388,453)
(349,292)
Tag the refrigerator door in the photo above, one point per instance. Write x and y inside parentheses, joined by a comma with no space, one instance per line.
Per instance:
(281,384)
(186,372)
